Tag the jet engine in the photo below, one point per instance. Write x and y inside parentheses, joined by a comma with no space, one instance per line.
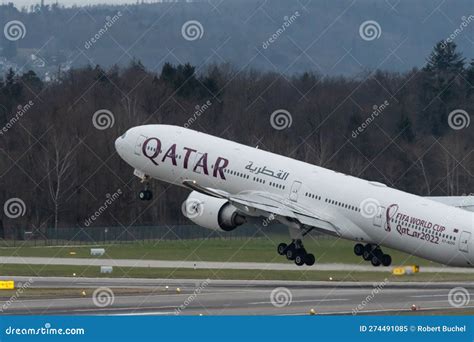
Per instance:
(211,212)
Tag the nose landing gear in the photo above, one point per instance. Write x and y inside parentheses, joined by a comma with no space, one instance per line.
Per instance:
(296,251)
(372,253)
(145,195)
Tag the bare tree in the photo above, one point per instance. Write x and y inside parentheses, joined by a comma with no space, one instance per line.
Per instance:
(58,163)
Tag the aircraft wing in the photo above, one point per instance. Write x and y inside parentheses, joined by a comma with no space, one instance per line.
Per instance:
(463,202)
(260,203)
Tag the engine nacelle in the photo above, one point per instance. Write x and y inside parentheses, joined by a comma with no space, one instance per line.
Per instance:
(211,212)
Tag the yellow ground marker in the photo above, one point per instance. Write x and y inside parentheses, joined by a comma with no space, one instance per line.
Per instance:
(7,285)
(398,271)
(405,270)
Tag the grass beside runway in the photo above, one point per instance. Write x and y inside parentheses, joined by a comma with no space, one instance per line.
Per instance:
(241,250)
(184,273)
(34,293)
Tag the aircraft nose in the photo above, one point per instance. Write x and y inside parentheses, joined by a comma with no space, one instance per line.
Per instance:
(119,144)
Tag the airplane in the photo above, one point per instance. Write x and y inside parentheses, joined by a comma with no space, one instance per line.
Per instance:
(232,184)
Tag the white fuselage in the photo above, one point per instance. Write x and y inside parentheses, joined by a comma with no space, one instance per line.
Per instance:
(374,212)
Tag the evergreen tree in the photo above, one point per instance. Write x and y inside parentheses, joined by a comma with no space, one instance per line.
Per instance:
(406,127)
(12,88)
(444,58)
(442,72)
(168,73)
(470,79)
(32,80)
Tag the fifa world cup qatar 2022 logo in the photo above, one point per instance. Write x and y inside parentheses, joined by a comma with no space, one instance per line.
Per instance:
(390,213)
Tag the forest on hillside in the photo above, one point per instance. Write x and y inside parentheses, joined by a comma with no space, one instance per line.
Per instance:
(305,35)
(409,130)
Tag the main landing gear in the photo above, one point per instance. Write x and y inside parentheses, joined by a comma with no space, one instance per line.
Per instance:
(372,253)
(296,251)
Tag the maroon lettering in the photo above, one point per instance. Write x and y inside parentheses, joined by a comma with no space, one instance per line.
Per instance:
(202,163)
(156,152)
(221,164)
(171,153)
(186,156)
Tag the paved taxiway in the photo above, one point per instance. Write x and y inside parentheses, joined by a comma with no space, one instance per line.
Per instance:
(289,266)
(229,297)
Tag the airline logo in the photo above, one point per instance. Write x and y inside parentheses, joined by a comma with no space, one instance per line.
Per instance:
(152,149)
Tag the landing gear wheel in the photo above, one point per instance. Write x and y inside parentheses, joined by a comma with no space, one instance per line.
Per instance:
(378,253)
(375,261)
(145,195)
(281,248)
(290,253)
(366,255)
(386,260)
(299,259)
(309,259)
(359,249)
(295,251)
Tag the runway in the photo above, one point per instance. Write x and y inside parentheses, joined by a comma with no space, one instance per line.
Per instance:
(213,265)
(229,297)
